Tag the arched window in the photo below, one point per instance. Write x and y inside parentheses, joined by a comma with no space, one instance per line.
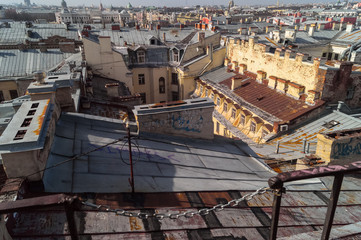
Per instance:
(161,85)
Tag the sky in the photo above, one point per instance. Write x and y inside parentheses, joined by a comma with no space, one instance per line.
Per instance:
(170,3)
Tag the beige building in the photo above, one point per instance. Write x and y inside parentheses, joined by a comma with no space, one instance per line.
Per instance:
(262,94)
(160,65)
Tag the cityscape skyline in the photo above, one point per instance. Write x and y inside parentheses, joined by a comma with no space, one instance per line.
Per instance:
(160,3)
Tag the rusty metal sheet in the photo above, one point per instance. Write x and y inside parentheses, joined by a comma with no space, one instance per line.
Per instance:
(39,223)
(181,223)
(210,199)
(242,233)
(290,231)
(238,217)
(123,236)
(110,223)
(146,200)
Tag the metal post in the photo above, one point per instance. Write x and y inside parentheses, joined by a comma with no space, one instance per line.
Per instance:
(130,161)
(308,147)
(304,145)
(276,213)
(69,210)
(278,147)
(332,204)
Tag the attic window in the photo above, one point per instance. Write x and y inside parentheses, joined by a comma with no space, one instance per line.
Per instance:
(20,135)
(31,112)
(26,122)
(34,105)
(152,41)
(331,124)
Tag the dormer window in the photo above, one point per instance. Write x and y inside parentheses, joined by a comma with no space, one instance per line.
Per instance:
(175,55)
(152,42)
(141,56)
(225,107)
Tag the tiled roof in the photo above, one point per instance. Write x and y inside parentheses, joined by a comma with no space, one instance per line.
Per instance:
(269,100)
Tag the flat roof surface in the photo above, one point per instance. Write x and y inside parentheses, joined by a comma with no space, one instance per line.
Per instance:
(35,113)
(161,163)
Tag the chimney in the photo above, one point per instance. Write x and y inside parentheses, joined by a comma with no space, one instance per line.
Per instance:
(201,36)
(242,68)
(164,37)
(236,83)
(349,27)
(137,27)
(311,30)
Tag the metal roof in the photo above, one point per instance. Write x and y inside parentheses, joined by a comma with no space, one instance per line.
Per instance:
(17,33)
(162,163)
(310,130)
(16,63)
(349,38)
(141,37)
(301,212)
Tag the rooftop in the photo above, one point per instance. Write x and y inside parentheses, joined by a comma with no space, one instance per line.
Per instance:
(162,163)
(22,63)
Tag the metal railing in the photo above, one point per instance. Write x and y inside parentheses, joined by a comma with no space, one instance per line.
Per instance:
(338,171)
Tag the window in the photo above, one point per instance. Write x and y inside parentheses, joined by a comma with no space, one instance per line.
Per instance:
(253,127)
(218,101)
(225,107)
(175,96)
(152,41)
(201,89)
(336,56)
(233,115)
(175,55)
(243,119)
(141,56)
(217,127)
(329,56)
(212,96)
(206,92)
(2,96)
(13,94)
(161,85)
(264,133)
(324,54)
(143,97)
(175,78)
(141,79)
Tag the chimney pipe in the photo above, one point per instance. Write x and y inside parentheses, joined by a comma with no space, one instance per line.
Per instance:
(164,37)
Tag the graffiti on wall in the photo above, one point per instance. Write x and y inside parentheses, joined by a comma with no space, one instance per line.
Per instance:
(346,149)
(189,121)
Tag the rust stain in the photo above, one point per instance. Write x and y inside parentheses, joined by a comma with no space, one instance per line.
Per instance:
(134,224)
(41,118)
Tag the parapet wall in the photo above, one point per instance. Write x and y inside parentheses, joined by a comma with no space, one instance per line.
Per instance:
(188,118)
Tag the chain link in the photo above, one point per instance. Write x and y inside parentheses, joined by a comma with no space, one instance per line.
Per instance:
(188,214)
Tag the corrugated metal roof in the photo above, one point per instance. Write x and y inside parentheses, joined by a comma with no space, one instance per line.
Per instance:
(218,75)
(310,130)
(351,37)
(22,63)
(18,33)
(142,36)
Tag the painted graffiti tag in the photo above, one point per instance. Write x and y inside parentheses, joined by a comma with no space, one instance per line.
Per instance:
(188,124)
(346,149)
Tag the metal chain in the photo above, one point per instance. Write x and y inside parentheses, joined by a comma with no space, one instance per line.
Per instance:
(188,214)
